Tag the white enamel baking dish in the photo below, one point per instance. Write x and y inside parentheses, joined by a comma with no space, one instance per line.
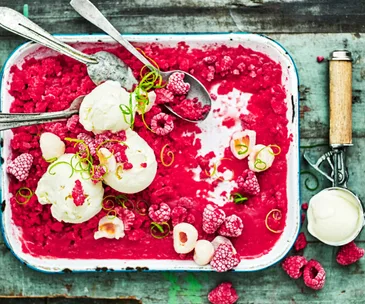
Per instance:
(256,42)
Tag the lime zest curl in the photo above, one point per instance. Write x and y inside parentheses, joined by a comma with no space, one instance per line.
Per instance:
(238,198)
(25,196)
(61,163)
(306,181)
(157,230)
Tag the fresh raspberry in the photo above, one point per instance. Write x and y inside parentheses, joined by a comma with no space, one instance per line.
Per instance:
(213,218)
(89,141)
(178,215)
(164,96)
(314,275)
(320,59)
(20,166)
(72,123)
(294,266)
(177,85)
(248,182)
(232,226)
(301,242)
(224,259)
(97,173)
(160,213)
(78,194)
(349,254)
(162,124)
(305,206)
(224,64)
(223,294)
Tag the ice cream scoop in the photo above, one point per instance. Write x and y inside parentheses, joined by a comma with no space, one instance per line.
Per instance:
(335,216)
(100,110)
(101,66)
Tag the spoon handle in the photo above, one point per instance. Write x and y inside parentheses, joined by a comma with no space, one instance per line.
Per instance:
(15,22)
(90,12)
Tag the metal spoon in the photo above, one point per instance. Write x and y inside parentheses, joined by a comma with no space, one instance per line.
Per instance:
(14,120)
(87,10)
(101,66)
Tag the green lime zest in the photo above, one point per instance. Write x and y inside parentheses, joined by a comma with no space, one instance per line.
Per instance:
(307,180)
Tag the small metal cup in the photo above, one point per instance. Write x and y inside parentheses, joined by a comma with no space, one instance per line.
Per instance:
(360,221)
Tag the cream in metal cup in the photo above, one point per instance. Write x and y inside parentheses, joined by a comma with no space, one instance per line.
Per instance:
(335,216)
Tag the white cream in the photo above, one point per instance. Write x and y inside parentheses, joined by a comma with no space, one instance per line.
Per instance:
(110,228)
(55,188)
(138,178)
(100,110)
(51,146)
(334,216)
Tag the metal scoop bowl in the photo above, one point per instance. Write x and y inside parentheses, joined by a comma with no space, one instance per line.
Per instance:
(10,120)
(101,66)
(87,10)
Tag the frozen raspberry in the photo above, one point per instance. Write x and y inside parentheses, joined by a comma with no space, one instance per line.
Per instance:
(305,206)
(160,213)
(177,85)
(213,218)
(162,124)
(186,202)
(97,173)
(78,194)
(72,123)
(301,242)
(20,166)
(223,294)
(320,59)
(224,64)
(164,96)
(190,219)
(57,128)
(208,73)
(314,275)
(232,226)
(89,141)
(128,218)
(224,259)
(248,182)
(178,215)
(294,266)
(136,235)
(349,254)
(210,59)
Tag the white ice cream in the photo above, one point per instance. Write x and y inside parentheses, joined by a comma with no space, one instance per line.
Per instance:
(138,178)
(56,185)
(51,146)
(334,216)
(100,109)
(110,228)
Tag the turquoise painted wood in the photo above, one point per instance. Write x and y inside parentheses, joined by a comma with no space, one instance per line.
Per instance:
(344,284)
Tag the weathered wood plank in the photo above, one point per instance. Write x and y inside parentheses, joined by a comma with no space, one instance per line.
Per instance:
(202,16)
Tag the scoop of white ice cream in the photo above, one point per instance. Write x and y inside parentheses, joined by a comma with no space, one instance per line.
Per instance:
(51,146)
(143,159)
(110,228)
(56,187)
(100,110)
(334,217)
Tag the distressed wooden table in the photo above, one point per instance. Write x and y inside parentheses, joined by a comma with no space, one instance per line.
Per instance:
(307,29)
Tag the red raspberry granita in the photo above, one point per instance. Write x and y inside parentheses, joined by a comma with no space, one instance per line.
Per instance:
(199,180)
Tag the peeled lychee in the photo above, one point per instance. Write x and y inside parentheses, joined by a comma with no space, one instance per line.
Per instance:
(204,251)
(185,237)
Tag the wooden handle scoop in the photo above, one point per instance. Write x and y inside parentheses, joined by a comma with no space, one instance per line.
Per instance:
(340,98)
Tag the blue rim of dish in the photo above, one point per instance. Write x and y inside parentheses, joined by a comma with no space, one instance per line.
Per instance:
(296,108)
